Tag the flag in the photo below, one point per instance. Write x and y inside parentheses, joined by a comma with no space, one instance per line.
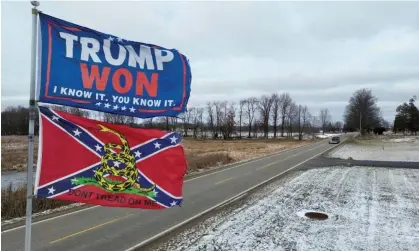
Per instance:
(109,74)
(88,161)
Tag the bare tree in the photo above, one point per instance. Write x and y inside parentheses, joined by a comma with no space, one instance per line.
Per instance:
(303,120)
(166,121)
(118,119)
(292,114)
(265,105)
(276,104)
(197,120)
(148,123)
(173,123)
(228,119)
(285,102)
(324,118)
(219,114)
(212,119)
(241,110)
(72,110)
(186,120)
(250,107)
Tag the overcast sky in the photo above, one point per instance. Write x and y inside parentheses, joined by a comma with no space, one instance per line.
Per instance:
(318,52)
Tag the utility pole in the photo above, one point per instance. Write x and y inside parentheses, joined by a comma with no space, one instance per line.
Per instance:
(360,124)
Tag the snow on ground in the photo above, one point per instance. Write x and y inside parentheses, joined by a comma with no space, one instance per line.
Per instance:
(369,209)
(327,135)
(384,149)
(413,140)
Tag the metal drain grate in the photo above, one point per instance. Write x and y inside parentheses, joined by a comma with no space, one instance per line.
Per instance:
(316,216)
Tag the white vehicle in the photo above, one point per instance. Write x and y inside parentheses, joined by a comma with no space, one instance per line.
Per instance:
(334,140)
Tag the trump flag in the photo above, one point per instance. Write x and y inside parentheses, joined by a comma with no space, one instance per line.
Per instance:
(88,161)
(90,69)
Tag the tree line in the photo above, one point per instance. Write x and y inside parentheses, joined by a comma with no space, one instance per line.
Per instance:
(250,117)
(407,117)
(363,114)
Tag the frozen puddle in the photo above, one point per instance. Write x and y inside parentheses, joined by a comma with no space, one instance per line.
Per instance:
(367,208)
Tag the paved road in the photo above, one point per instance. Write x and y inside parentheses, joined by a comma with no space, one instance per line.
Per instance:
(113,229)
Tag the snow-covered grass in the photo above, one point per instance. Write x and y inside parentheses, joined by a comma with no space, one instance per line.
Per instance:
(368,208)
(384,149)
(327,135)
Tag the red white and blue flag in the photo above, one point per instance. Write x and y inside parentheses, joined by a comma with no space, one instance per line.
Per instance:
(88,161)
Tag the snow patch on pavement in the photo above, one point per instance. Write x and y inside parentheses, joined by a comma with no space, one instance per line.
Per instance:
(369,209)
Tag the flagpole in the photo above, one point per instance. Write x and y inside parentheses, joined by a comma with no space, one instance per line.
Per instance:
(32,115)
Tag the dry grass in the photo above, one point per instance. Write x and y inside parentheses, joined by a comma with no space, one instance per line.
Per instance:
(208,153)
(13,203)
(14,153)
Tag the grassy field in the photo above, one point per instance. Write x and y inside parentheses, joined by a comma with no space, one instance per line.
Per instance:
(200,154)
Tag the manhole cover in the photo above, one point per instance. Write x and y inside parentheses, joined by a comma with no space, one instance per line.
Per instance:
(316,216)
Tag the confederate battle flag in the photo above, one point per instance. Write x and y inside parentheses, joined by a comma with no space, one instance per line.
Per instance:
(88,161)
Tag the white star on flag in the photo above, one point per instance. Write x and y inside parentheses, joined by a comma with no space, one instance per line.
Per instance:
(77,132)
(173,139)
(155,192)
(55,118)
(51,190)
(116,163)
(137,154)
(107,105)
(98,103)
(123,108)
(115,107)
(157,145)
(73,181)
(120,39)
(174,203)
(132,109)
(98,148)
(111,38)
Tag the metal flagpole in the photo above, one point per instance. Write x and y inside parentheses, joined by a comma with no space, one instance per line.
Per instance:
(32,115)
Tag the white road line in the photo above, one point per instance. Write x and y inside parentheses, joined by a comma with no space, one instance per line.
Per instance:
(218,205)
(222,170)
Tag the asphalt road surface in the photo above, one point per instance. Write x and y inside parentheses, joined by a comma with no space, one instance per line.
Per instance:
(113,229)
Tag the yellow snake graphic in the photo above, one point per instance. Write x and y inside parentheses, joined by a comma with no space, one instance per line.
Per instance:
(124,156)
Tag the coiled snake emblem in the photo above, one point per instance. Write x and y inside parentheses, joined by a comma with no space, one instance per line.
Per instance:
(125,156)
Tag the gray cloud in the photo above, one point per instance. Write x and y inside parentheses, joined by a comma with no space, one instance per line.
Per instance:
(318,52)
